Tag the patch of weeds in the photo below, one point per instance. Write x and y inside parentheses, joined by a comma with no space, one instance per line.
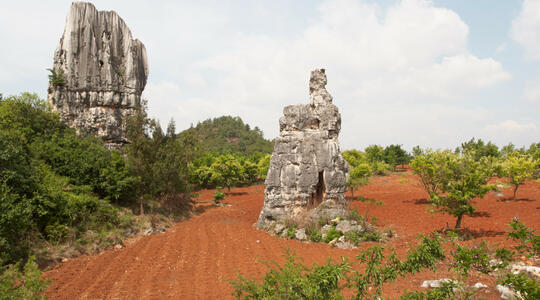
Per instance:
(314,234)
(22,284)
(371,236)
(528,287)
(476,258)
(218,197)
(353,236)
(529,243)
(403,179)
(332,234)
(291,232)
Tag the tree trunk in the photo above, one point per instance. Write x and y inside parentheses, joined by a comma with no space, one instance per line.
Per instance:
(515,191)
(352,192)
(142,207)
(228,189)
(458,222)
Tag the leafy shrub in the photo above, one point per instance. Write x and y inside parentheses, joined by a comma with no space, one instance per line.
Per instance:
(294,280)
(371,236)
(314,234)
(467,258)
(218,196)
(447,290)
(353,236)
(528,287)
(529,243)
(332,234)
(25,284)
(291,232)
(56,77)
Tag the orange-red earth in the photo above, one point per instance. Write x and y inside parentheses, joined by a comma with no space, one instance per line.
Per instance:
(195,259)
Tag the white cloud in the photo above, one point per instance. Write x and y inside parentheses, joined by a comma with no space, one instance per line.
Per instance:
(526,28)
(532,91)
(511,125)
(411,53)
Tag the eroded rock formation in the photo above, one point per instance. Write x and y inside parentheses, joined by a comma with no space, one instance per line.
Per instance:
(307,173)
(100,73)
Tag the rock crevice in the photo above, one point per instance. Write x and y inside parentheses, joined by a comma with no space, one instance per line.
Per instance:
(307,172)
(101,72)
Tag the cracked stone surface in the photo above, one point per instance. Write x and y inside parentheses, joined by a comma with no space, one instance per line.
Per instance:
(307,172)
(104,70)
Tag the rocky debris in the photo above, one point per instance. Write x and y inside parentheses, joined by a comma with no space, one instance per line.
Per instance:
(307,172)
(343,243)
(346,226)
(99,73)
(279,228)
(325,228)
(301,234)
(532,271)
(435,283)
(479,285)
(507,293)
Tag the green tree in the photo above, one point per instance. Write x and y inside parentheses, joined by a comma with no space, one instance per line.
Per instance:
(227,171)
(478,149)
(518,168)
(394,155)
(262,166)
(431,168)
(465,178)
(140,152)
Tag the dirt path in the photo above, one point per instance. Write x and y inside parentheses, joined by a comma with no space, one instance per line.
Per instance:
(194,259)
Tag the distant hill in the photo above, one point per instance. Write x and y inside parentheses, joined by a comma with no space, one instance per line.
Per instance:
(229,134)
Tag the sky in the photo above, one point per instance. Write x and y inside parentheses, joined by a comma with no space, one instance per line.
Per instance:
(411,72)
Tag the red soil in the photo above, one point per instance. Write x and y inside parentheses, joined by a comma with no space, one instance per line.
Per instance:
(194,259)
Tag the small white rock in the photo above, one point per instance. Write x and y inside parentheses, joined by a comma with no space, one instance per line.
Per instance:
(479,285)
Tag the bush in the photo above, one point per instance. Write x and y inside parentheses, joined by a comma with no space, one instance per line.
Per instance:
(25,284)
(529,243)
(314,234)
(218,196)
(467,258)
(528,287)
(294,280)
(332,234)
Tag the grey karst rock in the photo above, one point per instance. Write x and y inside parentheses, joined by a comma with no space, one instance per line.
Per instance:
(104,72)
(307,173)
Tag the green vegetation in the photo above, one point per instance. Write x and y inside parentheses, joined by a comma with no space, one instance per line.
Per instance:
(214,169)
(56,77)
(229,135)
(22,284)
(453,180)
(518,168)
(218,197)
(294,280)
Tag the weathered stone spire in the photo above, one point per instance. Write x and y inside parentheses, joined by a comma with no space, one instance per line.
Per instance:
(101,72)
(307,173)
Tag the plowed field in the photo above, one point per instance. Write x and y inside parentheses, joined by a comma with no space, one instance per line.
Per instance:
(195,258)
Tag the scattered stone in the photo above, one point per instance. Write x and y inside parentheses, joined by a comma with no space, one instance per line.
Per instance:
(160,229)
(343,243)
(479,285)
(530,270)
(301,234)
(346,226)
(101,72)
(335,220)
(117,247)
(307,172)
(333,242)
(435,283)
(507,293)
(279,228)
(64,259)
(325,229)
(257,241)
(147,231)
